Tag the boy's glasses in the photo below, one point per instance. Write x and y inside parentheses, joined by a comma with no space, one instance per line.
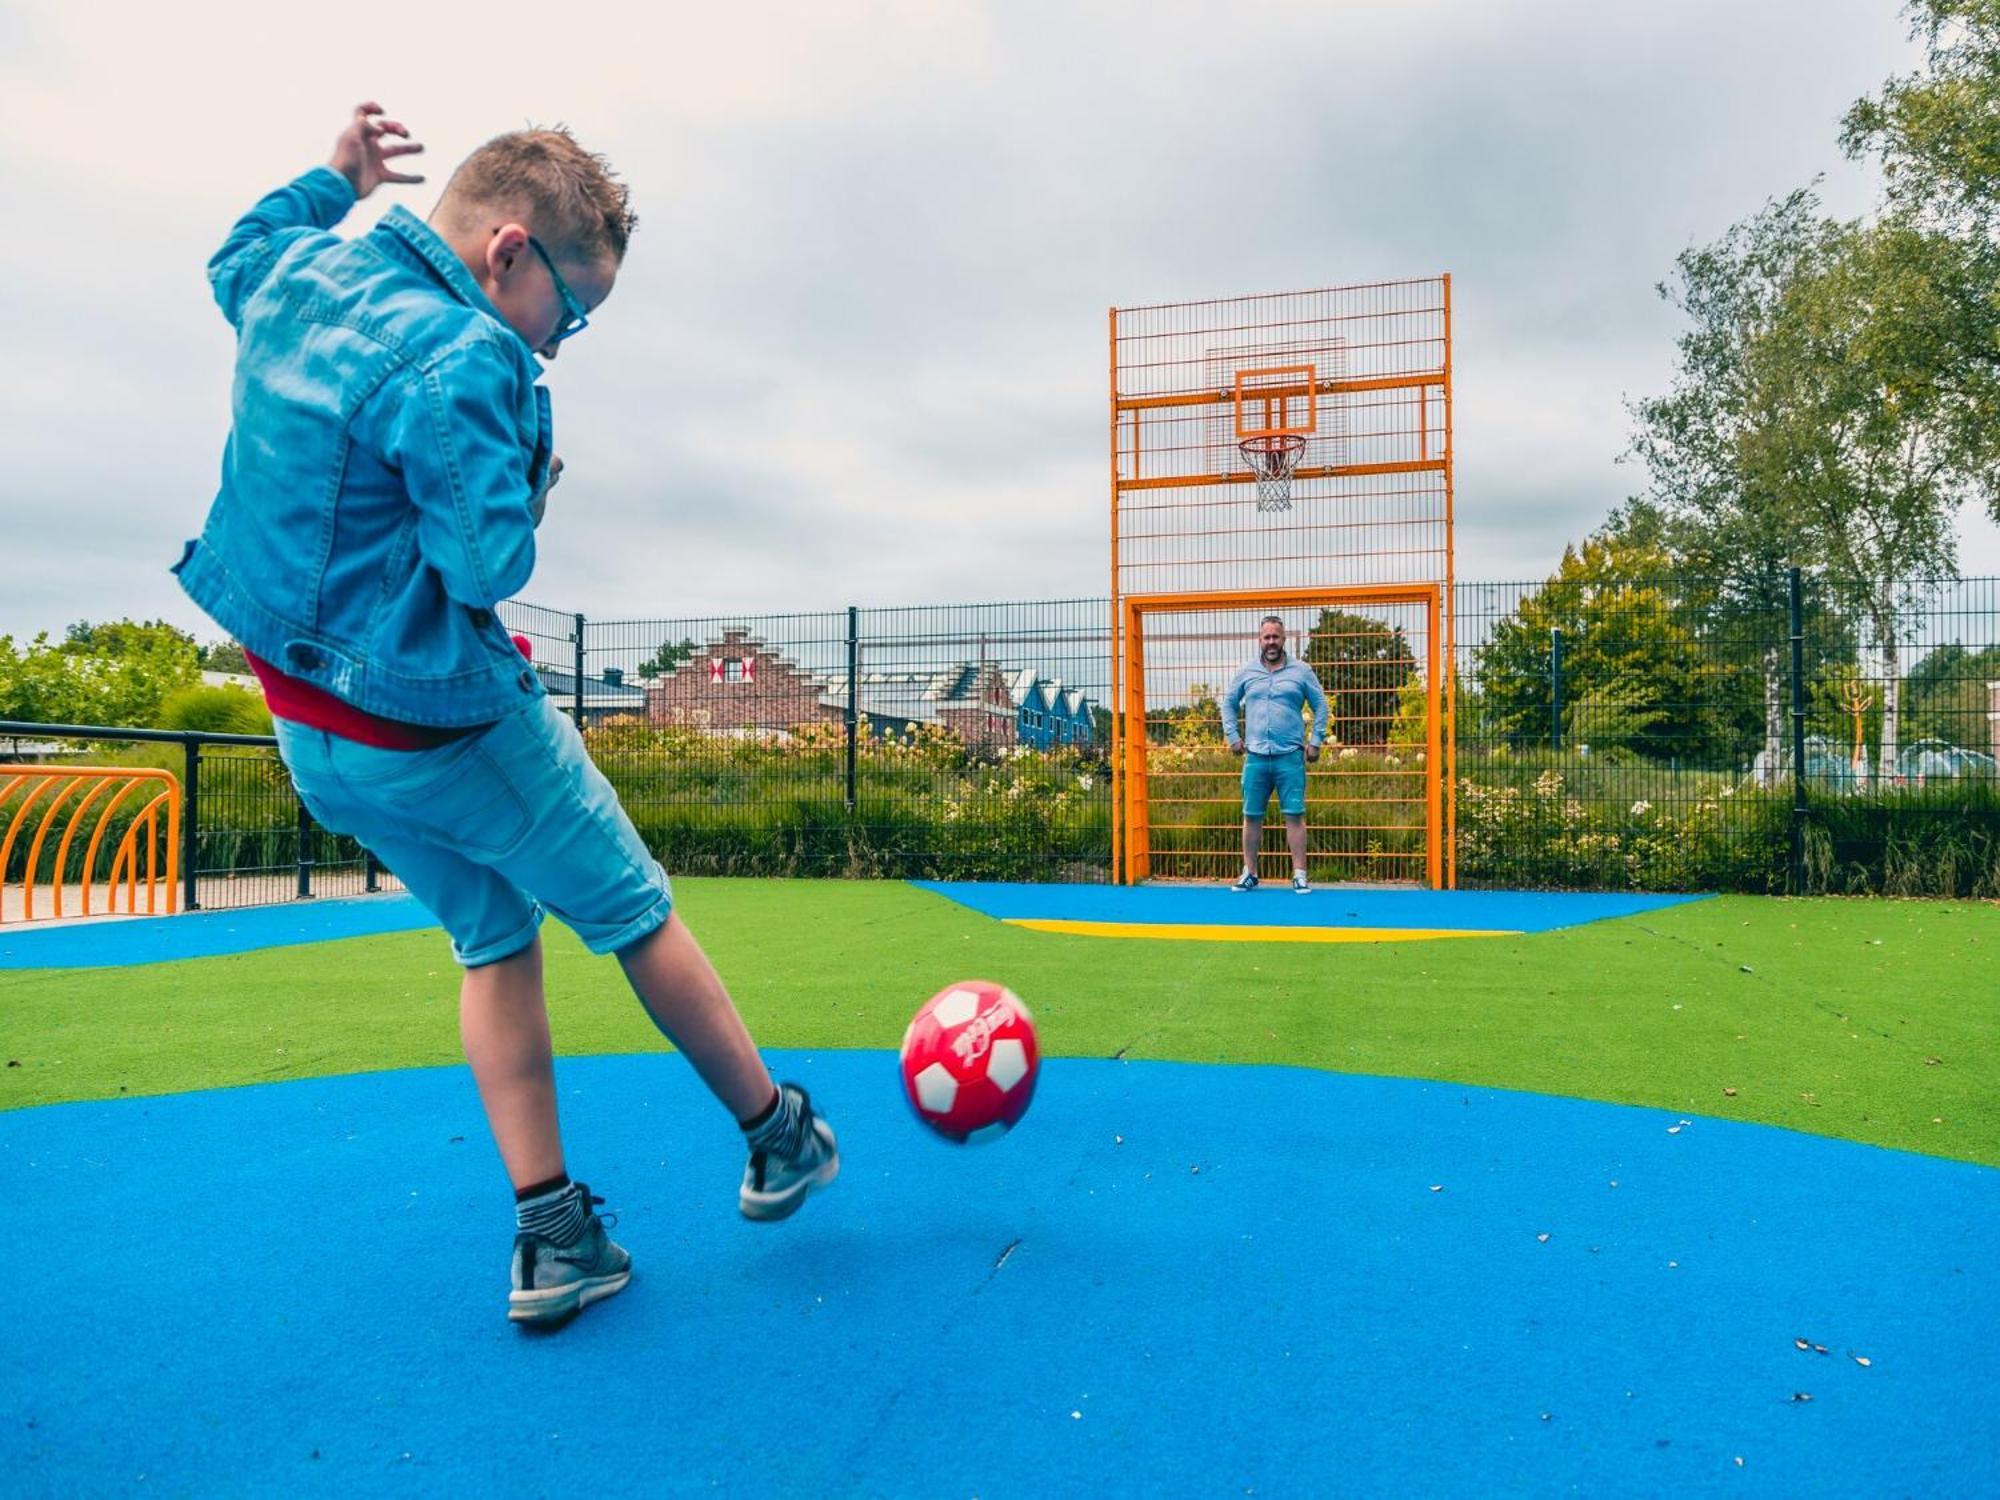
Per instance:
(575,320)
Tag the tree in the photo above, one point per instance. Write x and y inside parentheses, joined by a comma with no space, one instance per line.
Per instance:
(1937,131)
(1885,433)
(669,656)
(1721,514)
(1632,672)
(225,656)
(1946,697)
(115,673)
(1936,134)
(1362,664)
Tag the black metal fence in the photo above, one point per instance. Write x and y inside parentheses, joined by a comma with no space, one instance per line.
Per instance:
(1675,732)
(246,839)
(958,741)
(1665,733)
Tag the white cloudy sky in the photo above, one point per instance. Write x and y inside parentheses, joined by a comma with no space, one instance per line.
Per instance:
(857,353)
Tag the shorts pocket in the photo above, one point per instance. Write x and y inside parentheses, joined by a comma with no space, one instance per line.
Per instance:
(456,796)
(474,807)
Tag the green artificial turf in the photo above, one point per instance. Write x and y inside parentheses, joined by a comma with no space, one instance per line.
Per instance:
(1873,1020)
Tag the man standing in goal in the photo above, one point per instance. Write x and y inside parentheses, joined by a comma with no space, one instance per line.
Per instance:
(1271,694)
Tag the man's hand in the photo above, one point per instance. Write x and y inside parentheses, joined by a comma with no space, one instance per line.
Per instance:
(540,502)
(1237,748)
(1312,752)
(361,157)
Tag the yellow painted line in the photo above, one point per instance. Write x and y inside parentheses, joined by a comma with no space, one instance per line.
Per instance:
(1199,932)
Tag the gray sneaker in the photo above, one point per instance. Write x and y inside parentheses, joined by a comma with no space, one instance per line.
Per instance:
(553,1283)
(774,1186)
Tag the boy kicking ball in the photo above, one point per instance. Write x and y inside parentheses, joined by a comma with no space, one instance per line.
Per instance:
(388,463)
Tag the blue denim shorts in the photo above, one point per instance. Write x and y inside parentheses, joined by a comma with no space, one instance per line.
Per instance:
(1284,774)
(491,830)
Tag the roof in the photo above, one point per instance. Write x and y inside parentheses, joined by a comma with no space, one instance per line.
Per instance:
(597,693)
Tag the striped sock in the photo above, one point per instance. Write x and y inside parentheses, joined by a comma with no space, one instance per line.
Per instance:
(556,1211)
(781,1129)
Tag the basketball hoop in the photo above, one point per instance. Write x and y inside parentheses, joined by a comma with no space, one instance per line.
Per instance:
(1272,457)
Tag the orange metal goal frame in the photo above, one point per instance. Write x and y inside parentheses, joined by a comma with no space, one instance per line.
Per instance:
(1131,822)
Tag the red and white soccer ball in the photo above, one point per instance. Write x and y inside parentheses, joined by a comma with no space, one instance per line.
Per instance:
(969,1061)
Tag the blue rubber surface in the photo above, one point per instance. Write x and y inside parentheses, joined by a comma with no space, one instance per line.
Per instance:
(1274,905)
(299,1289)
(205,934)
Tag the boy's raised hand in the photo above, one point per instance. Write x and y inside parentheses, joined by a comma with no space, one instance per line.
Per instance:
(361,156)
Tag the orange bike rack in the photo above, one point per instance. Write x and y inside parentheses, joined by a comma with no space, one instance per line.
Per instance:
(26,790)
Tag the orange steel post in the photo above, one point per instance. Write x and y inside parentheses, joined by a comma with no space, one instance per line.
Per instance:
(1117,647)
(1433,766)
(1450,619)
(1137,839)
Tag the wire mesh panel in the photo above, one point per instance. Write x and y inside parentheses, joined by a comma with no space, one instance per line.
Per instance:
(1622,733)
(1362,374)
(723,738)
(961,741)
(1292,442)
(1901,739)
(982,740)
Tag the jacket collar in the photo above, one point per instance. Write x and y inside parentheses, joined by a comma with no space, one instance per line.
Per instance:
(428,246)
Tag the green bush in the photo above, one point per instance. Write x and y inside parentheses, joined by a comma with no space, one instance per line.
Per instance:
(215,710)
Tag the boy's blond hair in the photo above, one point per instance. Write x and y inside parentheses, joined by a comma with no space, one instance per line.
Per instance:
(569,195)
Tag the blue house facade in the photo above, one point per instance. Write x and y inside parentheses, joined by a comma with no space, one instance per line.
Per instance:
(1049,715)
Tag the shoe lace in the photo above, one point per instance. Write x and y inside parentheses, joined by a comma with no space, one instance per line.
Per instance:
(591,1201)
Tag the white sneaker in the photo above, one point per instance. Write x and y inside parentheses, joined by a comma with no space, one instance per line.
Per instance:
(1300,885)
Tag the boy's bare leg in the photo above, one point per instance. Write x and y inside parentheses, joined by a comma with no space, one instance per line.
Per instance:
(686,999)
(503,1021)
(1253,842)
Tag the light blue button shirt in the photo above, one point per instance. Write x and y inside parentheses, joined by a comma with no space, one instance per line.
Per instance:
(1271,702)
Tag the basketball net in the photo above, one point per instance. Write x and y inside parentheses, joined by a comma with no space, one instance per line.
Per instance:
(1272,457)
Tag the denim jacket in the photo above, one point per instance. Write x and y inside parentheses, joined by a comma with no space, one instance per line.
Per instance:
(1273,707)
(388,438)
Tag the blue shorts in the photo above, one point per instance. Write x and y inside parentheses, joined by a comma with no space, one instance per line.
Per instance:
(1264,774)
(491,830)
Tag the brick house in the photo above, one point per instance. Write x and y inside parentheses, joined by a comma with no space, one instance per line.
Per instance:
(737,682)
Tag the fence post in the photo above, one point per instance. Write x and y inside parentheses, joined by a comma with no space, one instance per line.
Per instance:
(305,852)
(579,671)
(853,696)
(1798,734)
(190,819)
(372,871)
(1556,688)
